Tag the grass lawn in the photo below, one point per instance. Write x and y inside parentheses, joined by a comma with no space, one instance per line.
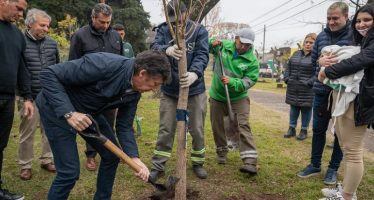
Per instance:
(268,84)
(279,160)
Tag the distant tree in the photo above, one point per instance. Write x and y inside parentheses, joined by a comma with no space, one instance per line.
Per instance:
(131,14)
(206,9)
(58,9)
(212,18)
(127,12)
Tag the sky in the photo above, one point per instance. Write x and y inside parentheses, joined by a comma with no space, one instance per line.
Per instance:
(305,16)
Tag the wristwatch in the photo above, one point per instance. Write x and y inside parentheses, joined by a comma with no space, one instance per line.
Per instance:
(68,115)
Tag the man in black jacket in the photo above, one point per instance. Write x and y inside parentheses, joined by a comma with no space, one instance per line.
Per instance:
(90,85)
(13,74)
(98,36)
(41,51)
(337,32)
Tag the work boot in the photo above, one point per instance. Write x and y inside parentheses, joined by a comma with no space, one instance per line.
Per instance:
(221,159)
(6,195)
(302,135)
(155,175)
(25,174)
(199,171)
(50,167)
(290,133)
(90,164)
(248,168)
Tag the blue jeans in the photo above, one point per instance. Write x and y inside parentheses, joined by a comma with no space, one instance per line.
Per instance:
(306,114)
(62,139)
(321,118)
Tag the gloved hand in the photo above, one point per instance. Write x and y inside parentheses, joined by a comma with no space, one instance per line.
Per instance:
(174,52)
(187,79)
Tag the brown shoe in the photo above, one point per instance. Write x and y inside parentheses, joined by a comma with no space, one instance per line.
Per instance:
(50,167)
(91,164)
(25,174)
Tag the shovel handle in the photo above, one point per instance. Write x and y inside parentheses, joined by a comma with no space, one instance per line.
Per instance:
(229,108)
(122,155)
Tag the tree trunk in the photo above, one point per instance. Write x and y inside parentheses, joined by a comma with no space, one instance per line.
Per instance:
(181,188)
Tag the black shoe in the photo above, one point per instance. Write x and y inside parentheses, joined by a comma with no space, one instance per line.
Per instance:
(199,171)
(290,133)
(248,168)
(302,135)
(155,175)
(6,195)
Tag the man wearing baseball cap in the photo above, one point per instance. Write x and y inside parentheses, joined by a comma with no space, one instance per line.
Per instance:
(241,69)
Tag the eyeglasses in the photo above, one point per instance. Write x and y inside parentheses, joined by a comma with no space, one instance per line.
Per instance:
(333,18)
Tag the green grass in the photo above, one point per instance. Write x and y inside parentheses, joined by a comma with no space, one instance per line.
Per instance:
(279,160)
(268,84)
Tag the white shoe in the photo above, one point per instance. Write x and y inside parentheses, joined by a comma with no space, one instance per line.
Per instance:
(330,192)
(335,193)
(337,196)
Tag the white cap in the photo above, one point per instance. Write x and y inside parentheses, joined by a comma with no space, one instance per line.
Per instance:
(246,35)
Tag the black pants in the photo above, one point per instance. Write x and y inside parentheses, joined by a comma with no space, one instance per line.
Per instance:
(110,116)
(6,121)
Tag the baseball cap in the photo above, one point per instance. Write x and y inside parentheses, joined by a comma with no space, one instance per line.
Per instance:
(246,35)
(171,10)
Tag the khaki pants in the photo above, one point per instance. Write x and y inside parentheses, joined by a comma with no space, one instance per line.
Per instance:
(351,140)
(196,111)
(26,143)
(247,145)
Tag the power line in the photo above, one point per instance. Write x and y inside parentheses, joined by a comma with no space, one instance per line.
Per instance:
(268,12)
(293,15)
(281,13)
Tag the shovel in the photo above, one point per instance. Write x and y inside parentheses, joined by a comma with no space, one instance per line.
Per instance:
(230,122)
(93,131)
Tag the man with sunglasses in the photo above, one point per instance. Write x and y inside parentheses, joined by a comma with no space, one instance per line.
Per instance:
(241,69)
(337,32)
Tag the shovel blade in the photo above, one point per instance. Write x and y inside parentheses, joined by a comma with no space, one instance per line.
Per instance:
(232,131)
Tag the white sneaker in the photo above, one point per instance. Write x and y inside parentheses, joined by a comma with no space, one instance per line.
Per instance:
(334,193)
(330,192)
(337,196)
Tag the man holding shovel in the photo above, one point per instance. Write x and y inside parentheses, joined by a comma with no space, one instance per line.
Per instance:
(236,70)
(90,85)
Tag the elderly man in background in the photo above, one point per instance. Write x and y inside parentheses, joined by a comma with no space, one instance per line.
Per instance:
(13,74)
(97,36)
(41,51)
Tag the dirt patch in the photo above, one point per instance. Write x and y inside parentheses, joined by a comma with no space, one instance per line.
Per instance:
(256,197)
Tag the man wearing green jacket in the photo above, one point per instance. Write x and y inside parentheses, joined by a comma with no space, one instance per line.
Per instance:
(241,73)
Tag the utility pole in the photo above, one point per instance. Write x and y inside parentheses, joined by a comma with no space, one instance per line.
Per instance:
(263,46)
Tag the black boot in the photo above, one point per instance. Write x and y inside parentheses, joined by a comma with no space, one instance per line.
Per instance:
(290,133)
(302,135)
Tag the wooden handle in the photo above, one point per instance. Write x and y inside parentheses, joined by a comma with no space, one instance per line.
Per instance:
(122,155)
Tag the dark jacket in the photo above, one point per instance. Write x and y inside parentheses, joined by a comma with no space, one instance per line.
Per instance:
(88,40)
(13,72)
(299,77)
(38,55)
(197,57)
(92,84)
(342,37)
(364,102)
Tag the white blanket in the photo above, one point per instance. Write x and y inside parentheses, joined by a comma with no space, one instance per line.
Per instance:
(347,86)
